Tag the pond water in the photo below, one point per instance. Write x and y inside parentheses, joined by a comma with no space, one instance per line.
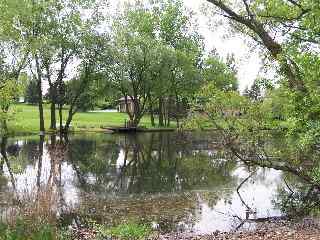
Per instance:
(175,181)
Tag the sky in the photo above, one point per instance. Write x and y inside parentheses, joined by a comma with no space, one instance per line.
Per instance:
(248,61)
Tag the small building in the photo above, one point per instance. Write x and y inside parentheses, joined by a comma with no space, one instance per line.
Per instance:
(21,100)
(122,106)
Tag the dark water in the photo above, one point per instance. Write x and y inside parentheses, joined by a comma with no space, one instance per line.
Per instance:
(174,181)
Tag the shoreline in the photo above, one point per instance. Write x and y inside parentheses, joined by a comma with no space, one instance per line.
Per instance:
(107,130)
(308,229)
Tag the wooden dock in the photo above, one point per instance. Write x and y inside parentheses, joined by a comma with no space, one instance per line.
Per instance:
(137,129)
(123,129)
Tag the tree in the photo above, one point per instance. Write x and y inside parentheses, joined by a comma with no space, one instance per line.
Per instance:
(11,82)
(222,76)
(153,61)
(179,32)
(255,92)
(287,31)
(53,34)
(13,59)
(297,28)
(131,56)
(31,93)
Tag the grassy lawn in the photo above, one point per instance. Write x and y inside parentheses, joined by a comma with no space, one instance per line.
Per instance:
(26,120)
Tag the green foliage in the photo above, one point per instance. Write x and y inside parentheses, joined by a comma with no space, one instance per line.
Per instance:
(156,55)
(31,93)
(125,231)
(131,231)
(22,231)
(216,71)
(220,106)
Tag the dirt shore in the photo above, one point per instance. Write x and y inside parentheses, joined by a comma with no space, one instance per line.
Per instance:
(303,231)
(306,230)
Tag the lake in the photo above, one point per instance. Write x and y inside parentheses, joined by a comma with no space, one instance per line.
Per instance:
(186,182)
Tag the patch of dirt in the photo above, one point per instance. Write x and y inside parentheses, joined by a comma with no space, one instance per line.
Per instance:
(302,231)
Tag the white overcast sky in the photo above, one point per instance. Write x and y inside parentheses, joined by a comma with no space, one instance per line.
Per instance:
(248,61)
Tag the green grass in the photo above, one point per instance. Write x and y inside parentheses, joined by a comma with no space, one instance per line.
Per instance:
(26,120)
(23,231)
(124,231)
(131,231)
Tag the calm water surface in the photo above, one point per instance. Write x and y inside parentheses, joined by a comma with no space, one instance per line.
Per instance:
(176,182)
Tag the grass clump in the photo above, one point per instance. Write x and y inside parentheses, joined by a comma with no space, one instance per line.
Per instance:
(131,231)
(21,231)
(125,231)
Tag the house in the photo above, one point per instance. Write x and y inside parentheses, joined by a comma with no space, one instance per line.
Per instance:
(122,107)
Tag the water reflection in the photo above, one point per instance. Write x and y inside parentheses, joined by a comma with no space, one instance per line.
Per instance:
(181,182)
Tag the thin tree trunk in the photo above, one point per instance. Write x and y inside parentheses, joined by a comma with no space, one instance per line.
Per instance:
(41,116)
(161,123)
(169,107)
(130,114)
(4,127)
(152,118)
(69,119)
(177,111)
(151,112)
(165,112)
(53,124)
(53,95)
(40,104)
(60,118)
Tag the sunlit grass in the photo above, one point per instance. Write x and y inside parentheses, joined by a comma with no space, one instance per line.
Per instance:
(26,119)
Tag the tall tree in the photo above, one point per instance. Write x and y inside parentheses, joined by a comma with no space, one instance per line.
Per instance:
(52,32)
(131,56)
(288,31)
(154,58)
(178,31)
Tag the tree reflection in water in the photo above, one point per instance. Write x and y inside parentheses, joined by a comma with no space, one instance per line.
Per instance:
(180,181)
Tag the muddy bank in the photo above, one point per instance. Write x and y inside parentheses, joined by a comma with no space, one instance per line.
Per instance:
(306,230)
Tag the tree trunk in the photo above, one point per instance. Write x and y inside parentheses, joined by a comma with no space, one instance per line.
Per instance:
(136,110)
(161,123)
(4,127)
(53,125)
(130,114)
(152,118)
(151,112)
(41,117)
(169,106)
(177,111)
(60,118)
(40,104)
(69,119)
